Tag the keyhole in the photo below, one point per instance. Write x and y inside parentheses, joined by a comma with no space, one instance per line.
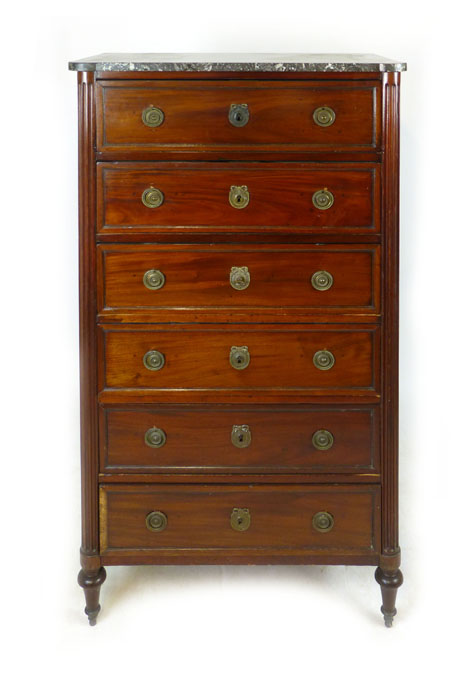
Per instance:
(239,361)
(240,438)
(239,199)
(240,521)
(238,117)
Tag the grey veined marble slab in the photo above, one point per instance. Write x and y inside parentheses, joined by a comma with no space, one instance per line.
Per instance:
(235,62)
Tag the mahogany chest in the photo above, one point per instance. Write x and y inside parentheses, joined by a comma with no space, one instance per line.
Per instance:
(239,312)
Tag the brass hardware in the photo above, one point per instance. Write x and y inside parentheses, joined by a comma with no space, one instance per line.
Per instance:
(156,521)
(239,278)
(323,439)
(238,115)
(154,280)
(239,197)
(152,197)
(154,360)
(324,360)
(239,357)
(322,281)
(323,200)
(152,116)
(323,521)
(240,519)
(324,116)
(241,436)
(155,437)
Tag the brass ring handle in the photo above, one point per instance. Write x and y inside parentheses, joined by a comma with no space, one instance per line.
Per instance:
(239,197)
(156,521)
(241,436)
(322,280)
(154,360)
(323,199)
(324,116)
(323,521)
(240,519)
(152,197)
(238,115)
(153,280)
(239,357)
(324,360)
(152,116)
(322,439)
(239,278)
(155,437)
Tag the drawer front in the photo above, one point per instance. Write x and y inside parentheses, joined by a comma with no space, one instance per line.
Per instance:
(192,117)
(203,517)
(159,276)
(198,196)
(237,358)
(239,440)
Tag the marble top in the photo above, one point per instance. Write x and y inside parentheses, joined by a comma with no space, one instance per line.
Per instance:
(235,62)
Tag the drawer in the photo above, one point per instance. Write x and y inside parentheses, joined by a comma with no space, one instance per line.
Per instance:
(239,439)
(270,357)
(338,278)
(191,197)
(284,518)
(192,117)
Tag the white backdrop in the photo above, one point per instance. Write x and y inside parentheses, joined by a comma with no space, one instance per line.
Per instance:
(222,625)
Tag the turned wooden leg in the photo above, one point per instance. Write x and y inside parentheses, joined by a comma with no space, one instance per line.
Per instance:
(389,581)
(91,582)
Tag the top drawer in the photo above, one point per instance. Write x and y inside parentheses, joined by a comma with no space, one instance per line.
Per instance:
(164,116)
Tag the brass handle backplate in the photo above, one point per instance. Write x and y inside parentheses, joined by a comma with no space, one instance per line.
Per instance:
(154,360)
(238,115)
(323,521)
(322,439)
(323,199)
(156,521)
(324,360)
(154,280)
(239,357)
(152,116)
(324,116)
(322,280)
(241,436)
(240,519)
(155,437)
(239,278)
(152,197)
(239,197)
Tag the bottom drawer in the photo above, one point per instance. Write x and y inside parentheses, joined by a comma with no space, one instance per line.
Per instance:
(287,519)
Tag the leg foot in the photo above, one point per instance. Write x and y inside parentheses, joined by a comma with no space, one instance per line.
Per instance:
(91,583)
(389,581)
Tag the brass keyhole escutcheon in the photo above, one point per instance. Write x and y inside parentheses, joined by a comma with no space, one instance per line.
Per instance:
(239,357)
(324,360)
(155,437)
(154,360)
(156,521)
(239,197)
(240,519)
(152,197)
(323,199)
(152,116)
(239,278)
(324,116)
(238,115)
(323,521)
(153,280)
(322,280)
(241,436)
(322,439)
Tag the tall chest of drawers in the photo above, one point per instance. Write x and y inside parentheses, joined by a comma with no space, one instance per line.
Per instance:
(239,312)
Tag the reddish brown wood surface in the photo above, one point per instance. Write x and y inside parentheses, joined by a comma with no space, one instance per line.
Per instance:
(196,116)
(196,196)
(281,518)
(199,439)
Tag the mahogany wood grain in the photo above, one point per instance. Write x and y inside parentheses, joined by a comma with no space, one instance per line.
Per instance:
(198,439)
(196,116)
(197,197)
(281,518)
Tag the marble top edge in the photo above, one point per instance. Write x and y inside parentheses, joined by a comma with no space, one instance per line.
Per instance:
(234,62)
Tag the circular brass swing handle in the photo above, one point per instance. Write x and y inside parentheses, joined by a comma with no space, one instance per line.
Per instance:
(323,199)
(154,360)
(324,116)
(155,437)
(240,519)
(152,116)
(239,197)
(239,278)
(322,280)
(238,115)
(152,197)
(322,439)
(241,436)
(239,357)
(156,521)
(324,360)
(323,521)
(153,280)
